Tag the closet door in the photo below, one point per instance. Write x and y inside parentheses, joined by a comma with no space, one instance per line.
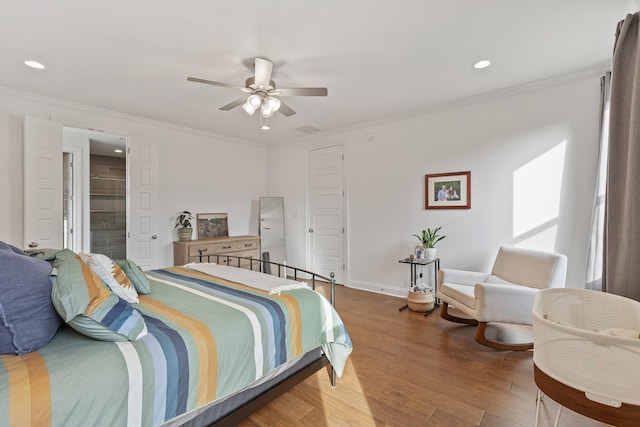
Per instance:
(142,237)
(42,166)
(325,191)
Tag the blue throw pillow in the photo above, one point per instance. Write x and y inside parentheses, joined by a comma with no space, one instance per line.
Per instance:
(11,248)
(28,320)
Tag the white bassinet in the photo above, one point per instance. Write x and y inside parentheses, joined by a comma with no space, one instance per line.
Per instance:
(589,341)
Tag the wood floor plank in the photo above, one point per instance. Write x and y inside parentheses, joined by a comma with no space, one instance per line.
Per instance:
(411,370)
(443,418)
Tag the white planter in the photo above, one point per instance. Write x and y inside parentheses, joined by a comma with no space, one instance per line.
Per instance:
(431,253)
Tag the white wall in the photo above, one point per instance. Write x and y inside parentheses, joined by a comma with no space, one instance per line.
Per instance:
(498,138)
(384,177)
(198,172)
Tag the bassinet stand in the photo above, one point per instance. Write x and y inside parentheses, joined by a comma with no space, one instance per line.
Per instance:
(571,398)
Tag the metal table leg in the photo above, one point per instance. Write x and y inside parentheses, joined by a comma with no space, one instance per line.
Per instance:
(412,282)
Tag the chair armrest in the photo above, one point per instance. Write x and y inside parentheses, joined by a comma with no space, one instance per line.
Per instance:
(461,277)
(507,303)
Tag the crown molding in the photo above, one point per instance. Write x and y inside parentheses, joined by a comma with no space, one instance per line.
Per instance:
(559,80)
(123,116)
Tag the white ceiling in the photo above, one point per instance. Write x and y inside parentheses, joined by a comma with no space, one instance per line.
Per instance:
(379,59)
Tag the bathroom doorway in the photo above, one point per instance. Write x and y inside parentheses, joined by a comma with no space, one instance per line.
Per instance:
(95,192)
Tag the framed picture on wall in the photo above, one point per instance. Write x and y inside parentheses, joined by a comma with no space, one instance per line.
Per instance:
(212,225)
(448,190)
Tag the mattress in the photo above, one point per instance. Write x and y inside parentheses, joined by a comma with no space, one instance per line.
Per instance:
(208,338)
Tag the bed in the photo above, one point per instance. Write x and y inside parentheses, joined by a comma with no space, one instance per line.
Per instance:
(217,341)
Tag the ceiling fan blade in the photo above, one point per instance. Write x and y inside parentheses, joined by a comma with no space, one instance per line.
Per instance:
(263,72)
(302,91)
(285,109)
(234,104)
(210,82)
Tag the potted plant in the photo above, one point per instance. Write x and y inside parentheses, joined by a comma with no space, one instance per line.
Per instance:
(183,224)
(428,239)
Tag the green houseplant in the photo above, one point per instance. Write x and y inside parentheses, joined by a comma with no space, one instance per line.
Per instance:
(183,224)
(428,240)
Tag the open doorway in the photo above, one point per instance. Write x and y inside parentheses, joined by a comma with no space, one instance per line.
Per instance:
(108,198)
(95,192)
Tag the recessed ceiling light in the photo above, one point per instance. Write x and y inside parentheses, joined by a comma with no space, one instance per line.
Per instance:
(117,150)
(482,64)
(34,64)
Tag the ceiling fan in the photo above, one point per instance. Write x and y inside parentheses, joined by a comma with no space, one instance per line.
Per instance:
(262,93)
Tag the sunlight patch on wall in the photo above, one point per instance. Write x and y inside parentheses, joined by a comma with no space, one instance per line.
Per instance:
(537,192)
(544,240)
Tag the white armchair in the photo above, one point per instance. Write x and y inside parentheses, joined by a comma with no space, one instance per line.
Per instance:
(506,295)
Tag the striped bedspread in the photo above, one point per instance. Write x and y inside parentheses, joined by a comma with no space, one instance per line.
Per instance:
(208,337)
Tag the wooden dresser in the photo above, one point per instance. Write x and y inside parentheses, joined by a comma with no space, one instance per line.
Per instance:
(242,246)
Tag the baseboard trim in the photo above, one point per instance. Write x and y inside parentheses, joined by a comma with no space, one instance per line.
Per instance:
(378,288)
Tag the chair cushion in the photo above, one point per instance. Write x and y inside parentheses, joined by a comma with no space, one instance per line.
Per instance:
(535,269)
(461,293)
(495,279)
(28,320)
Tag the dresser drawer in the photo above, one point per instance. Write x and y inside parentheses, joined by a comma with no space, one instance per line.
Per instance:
(246,245)
(189,251)
(242,254)
(243,262)
(213,248)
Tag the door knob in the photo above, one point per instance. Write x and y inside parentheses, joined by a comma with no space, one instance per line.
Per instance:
(311,230)
(33,244)
(154,237)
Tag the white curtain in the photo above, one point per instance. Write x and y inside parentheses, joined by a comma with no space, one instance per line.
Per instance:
(593,279)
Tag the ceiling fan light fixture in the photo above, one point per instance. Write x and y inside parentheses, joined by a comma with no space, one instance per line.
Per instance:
(260,93)
(254,100)
(266,111)
(248,108)
(272,103)
(264,125)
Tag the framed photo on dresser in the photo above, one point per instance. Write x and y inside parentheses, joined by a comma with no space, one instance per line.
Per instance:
(212,225)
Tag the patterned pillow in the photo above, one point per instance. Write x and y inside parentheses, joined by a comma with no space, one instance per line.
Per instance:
(136,275)
(88,306)
(112,275)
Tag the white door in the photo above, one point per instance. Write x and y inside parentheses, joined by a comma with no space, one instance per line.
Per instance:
(326,212)
(142,186)
(42,165)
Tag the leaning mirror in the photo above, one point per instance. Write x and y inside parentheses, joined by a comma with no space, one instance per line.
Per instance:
(272,229)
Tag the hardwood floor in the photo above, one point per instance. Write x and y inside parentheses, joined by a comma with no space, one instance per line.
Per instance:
(411,370)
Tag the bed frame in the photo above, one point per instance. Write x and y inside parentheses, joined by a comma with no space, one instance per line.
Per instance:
(288,379)
(264,266)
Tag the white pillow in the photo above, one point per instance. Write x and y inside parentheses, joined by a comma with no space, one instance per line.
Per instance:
(112,276)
